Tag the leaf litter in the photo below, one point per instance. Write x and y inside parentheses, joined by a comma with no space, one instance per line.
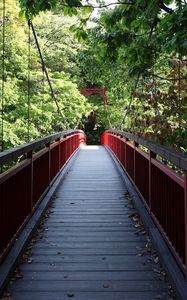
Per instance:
(142,251)
(27,255)
(148,251)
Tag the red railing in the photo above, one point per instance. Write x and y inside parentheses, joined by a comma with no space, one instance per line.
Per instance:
(23,186)
(162,190)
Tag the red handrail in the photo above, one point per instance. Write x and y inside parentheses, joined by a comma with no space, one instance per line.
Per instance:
(23,186)
(162,190)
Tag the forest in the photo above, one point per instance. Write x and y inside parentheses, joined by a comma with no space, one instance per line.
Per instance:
(135,49)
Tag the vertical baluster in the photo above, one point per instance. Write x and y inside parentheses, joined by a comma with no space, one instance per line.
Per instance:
(48,146)
(135,165)
(152,155)
(30,156)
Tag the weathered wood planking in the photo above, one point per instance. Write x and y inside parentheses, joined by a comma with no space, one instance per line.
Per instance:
(89,249)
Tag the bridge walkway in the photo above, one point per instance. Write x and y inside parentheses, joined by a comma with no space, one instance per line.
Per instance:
(92,245)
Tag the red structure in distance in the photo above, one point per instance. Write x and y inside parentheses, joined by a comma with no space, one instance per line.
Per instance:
(102,91)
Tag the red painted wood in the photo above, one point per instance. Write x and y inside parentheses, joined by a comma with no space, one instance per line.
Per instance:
(15,204)
(167,205)
(141,170)
(102,91)
(163,191)
(22,186)
(130,160)
(180,180)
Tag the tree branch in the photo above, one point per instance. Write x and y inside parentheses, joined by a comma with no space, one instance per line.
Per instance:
(98,6)
(109,4)
(169,79)
(164,7)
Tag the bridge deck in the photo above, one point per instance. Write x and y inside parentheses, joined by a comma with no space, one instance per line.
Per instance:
(89,248)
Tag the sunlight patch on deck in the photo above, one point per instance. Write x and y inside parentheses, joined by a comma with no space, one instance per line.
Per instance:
(92,147)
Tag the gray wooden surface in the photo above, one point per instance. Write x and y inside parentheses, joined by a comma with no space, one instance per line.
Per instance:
(90,249)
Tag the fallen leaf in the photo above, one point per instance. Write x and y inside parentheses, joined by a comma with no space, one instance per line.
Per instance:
(70,294)
(19,276)
(132,215)
(30,260)
(138,247)
(163,273)
(156,260)
(135,219)
(157,271)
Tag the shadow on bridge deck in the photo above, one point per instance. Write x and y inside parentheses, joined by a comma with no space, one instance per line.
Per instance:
(92,245)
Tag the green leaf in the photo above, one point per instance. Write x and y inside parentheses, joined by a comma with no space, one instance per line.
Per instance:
(86,10)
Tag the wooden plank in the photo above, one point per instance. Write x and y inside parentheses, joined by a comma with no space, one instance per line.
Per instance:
(53,250)
(92,285)
(63,266)
(92,245)
(89,249)
(88,210)
(92,218)
(89,205)
(91,296)
(74,233)
(61,224)
(103,260)
(116,240)
(79,276)
(88,213)
(88,229)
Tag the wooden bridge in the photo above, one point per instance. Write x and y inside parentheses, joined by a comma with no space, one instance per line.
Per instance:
(70,220)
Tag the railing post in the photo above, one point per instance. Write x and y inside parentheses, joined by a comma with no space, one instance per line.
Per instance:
(28,181)
(74,143)
(84,139)
(59,156)
(70,146)
(123,151)
(49,162)
(135,146)
(105,138)
(163,190)
(120,149)
(151,155)
(125,162)
(185,218)
(116,145)
(30,156)
(66,147)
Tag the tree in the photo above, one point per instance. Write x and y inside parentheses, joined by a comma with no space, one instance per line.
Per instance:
(29,111)
(135,42)
(136,50)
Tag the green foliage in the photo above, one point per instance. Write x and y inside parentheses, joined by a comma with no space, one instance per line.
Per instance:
(59,50)
(138,32)
(31,8)
(138,52)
